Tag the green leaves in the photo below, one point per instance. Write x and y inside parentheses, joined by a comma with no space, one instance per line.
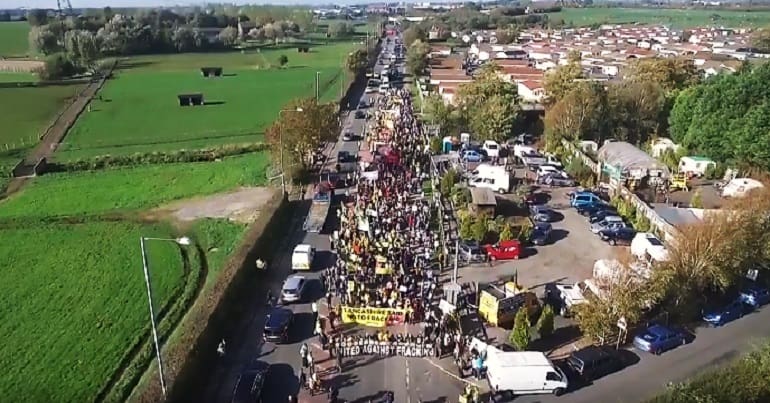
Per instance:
(490,104)
(519,336)
(417,57)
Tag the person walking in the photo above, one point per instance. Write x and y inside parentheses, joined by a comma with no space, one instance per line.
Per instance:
(314,308)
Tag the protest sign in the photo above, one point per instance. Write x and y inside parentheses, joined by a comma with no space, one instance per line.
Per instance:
(385,349)
(375,317)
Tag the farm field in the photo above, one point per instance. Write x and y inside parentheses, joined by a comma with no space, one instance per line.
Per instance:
(13,38)
(12,77)
(676,18)
(28,110)
(126,189)
(139,111)
(75,309)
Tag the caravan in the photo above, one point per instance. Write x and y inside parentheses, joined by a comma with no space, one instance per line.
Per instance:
(522,373)
(491,177)
(647,247)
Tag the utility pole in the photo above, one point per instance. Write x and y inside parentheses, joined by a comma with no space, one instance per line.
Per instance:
(317,85)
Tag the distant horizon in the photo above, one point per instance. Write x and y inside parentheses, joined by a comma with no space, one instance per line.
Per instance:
(51,4)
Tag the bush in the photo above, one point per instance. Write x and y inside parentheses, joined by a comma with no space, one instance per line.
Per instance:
(480,228)
(506,233)
(56,67)
(448,181)
(519,336)
(466,227)
(545,324)
(435,145)
(581,172)
(697,199)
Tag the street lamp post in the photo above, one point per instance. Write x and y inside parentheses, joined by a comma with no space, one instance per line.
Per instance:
(184,241)
(280,144)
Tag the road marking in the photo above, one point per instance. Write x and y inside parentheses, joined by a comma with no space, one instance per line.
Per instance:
(408,396)
(451,374)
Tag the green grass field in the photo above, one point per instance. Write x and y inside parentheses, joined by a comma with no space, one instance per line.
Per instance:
(73,307)
(132,188)
(13,38)
(29,110)
(11,77)
(676,18)
(139,111)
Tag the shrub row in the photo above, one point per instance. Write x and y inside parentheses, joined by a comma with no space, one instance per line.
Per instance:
(160,157)
(214,315)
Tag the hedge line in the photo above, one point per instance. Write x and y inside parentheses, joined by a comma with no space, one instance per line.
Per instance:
(160,157)
(744,381)
(189,358)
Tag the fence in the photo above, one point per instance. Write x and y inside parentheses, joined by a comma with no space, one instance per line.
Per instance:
(668,230)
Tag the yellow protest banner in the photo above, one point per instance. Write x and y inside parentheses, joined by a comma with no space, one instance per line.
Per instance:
(375,317)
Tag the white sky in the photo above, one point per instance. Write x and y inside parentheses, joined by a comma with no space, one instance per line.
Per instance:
(11,4)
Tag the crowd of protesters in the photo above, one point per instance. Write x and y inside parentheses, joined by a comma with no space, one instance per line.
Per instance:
(385,245)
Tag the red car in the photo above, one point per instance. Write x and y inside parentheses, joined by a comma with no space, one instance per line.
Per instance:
(504,250)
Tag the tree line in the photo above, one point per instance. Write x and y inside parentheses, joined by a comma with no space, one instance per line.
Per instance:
(74,44)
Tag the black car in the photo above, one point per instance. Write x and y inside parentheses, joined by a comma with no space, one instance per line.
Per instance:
(541,233)
(618,236)
(541,213)
(249,386)
(360,114)
(344,156)
(277,325)
(591,209)
(599,215)
(594,362)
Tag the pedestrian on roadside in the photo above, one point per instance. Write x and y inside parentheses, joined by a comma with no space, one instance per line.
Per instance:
(314,308)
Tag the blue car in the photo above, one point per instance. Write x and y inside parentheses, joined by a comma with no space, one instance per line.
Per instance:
(724,313)
(585,199)
(754,296)
(658,338)
(472,156)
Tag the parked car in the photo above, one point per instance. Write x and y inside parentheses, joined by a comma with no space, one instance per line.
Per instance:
(724,313)
(541,233)
(585,199)
(542,213)
(277,325)
(348,136)
(472,156)
(471,252)
(360,114)
(248,387)
(504,250)
(543,170)
(618,236)
(589,210)
(293,289)
(553,179)
(600,215)
(754,295)
(594,362)
(609,222)
(657,339)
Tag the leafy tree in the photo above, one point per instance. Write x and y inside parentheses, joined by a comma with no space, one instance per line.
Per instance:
(183,39)
(519,337)
(506,232)
(283,60)
(448,181)
(444,114)
(545,324)
(436,147)
(228,36)
(37,17)
(417,57)
(490,104)
(43,40)
(357,61)
(414,33)
(340,30)
(57,66)
(480,228)
(508,35)
(5,16)
(82,48)
(561,81)
(669,73)
(466,227)
(579,115)
(300,132)
(635,110)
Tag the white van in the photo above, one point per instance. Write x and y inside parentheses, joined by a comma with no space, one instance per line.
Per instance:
(302,257)
(492,148)
(486,169)
(647,247)
(495,180)
(524,373)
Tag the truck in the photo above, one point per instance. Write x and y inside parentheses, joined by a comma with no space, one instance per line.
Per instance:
(319,209)
(302,257)
(524,373)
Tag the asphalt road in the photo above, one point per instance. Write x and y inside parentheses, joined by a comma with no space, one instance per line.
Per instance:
(421,380)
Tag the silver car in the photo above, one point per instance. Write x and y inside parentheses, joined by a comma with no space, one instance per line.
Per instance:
(293,289)
(609,222)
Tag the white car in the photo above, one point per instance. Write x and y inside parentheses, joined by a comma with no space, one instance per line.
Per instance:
(492,148)
(543,170)
(384,89)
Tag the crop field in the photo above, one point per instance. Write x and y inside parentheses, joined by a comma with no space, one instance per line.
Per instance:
(139,111)
(28,110)
(72,310)
(13,38)
(127,189)
(676,18)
